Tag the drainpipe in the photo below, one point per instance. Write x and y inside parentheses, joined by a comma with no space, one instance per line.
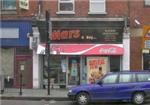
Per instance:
(126,44)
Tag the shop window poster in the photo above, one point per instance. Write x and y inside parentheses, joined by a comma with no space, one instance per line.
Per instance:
(96,68)
(63,65)
(84,76)
(74,68)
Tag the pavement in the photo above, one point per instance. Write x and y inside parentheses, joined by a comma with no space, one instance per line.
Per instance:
(34,94)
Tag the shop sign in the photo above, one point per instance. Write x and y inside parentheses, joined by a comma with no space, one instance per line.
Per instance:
(96,68)
(83,49)
(146,37)
(91,35)
(9,32)
(24,4)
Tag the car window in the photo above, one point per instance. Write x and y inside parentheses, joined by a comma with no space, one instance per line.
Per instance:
(109,79)
(143,77)
(125,78)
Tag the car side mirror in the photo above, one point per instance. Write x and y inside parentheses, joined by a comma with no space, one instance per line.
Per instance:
(100,82)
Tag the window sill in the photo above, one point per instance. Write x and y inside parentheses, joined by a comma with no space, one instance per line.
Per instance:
(97,13)
(65,12)
(8,12)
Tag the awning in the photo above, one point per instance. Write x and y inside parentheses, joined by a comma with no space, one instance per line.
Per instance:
(82,49)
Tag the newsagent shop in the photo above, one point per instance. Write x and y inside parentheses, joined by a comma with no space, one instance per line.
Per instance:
(80,50)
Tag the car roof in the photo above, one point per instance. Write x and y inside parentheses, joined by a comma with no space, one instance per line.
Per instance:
(125,71)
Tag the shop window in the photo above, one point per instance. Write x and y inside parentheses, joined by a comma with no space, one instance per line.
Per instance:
(147,2)
(8,4)
(74,71)
(57,71)
(66,6)
(114,63)
(97,7)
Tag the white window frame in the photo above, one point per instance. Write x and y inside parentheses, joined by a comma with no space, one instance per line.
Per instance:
(147,3)
(66,12)
(10,8)
(97,2)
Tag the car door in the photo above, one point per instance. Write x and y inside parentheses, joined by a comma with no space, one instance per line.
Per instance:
(125,86)
(106,88)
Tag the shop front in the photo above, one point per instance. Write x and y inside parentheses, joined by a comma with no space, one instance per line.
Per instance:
(16,58)
(146,47)
(81,63)
(81,52)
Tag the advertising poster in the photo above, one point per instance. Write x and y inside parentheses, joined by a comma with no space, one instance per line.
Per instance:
(97,67)
(63,65)
(74,68)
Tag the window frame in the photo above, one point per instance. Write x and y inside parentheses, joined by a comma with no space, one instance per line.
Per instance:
(66,12)
(116,81)
(131,80)
(146,5)
(138,79)
(97,12)
(8,9)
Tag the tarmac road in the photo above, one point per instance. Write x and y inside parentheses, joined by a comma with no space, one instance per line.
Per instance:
(53,102)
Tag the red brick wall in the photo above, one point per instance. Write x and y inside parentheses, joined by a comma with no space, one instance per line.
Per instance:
(22,14)
(140,12)
(117,8)
(136,53)
(114,8)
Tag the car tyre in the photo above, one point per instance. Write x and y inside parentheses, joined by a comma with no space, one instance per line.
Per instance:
(83,98)
(138,98)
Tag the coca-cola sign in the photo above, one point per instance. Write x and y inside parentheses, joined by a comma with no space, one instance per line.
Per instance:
(84,49)
(110,50)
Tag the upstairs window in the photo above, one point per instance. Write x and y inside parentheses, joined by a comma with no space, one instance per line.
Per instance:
(97,7)
(8,4)
(147,2)
(66,6)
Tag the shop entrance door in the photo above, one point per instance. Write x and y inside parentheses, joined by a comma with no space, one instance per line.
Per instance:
(146,62)
(73,71)
(23,66)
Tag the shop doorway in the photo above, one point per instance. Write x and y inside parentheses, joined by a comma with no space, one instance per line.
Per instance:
(115,63)
(23,65)
(146,62)
(73,71)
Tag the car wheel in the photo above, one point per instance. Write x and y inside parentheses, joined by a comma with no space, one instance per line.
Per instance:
(82,98)
(138,98)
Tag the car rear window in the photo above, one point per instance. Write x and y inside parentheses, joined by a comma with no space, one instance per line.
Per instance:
(143,77)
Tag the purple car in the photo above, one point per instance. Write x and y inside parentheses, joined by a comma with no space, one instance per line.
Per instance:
(126,86)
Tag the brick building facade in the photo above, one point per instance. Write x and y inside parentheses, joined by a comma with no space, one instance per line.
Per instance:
(81,15)
(141,15)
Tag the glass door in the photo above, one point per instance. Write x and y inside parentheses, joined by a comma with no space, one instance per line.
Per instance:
(146,61)
(73,70)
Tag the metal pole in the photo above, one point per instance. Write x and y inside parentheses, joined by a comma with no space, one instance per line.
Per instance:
(48,50)
(20,93)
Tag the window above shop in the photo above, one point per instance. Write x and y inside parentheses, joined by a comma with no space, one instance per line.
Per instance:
(147,3)
(97,7)
(66,7)
(8,6)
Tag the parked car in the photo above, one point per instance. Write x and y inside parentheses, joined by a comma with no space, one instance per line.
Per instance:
(129,86)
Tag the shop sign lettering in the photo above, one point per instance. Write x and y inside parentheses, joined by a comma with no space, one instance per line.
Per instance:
(86,35)
(111,50)
(65,34)
(94,63)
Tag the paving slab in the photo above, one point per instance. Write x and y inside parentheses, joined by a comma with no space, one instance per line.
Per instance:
(35,94)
